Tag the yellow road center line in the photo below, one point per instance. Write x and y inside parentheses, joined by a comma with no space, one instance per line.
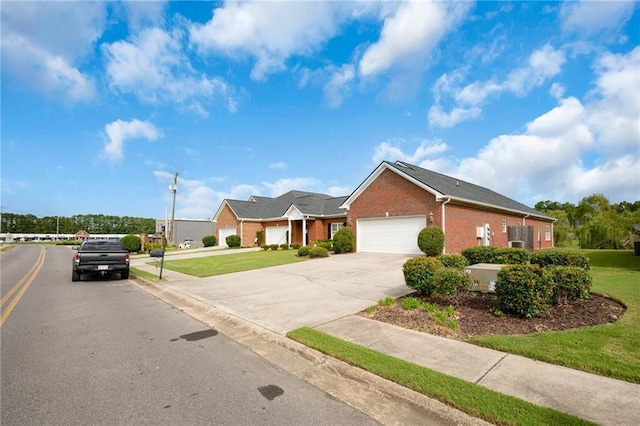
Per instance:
(25,282)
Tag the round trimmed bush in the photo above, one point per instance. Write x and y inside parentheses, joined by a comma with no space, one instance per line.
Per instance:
(273,247)
(511,256)
(524,290)
(295,246)
(209,240)
(304,251)
(264,247)
(480,254)
(418,273)
(451,283)
(569,283)
(431,241)
(560,257)
(453,261)
(318,252)
(284,246)
(343,241)
(233,241)
(131,242)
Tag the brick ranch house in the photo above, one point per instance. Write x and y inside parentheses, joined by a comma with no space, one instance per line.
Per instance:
(387,211)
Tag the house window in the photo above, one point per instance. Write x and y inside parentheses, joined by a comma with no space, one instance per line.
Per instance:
(335,227)
(504,225)
(547,233)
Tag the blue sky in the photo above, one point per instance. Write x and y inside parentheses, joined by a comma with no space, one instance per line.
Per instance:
(102,102)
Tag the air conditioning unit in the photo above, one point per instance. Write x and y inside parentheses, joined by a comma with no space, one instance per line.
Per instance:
(516,244)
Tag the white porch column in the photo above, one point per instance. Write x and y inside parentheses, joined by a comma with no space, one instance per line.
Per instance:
(289,233)
(304,231)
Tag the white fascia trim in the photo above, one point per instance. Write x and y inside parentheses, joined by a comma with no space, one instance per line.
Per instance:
(374,175)
(494,207)
(219,211)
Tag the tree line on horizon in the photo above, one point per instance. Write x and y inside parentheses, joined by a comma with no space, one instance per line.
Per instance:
(594,222)
(92,223)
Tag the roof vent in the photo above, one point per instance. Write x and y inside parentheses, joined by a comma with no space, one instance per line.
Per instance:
(457,183)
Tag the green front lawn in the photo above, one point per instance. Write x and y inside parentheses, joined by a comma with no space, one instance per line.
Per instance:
(610,349)
(228,263)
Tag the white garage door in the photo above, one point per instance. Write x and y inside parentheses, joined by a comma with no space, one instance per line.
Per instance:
(224,233)
(276,234)
(390,234)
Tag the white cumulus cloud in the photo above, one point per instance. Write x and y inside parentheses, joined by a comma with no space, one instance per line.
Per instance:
(153,67)
(408,37)
(119,131)
(269,32)
(45,44)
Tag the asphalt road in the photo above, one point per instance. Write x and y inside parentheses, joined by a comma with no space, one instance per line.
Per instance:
(102,351)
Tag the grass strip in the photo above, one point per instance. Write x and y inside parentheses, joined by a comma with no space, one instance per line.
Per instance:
(477,401)
(228,263)
(144,274)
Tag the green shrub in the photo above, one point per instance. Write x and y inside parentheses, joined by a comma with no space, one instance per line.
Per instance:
(209,240)
(304,251)
(343,241)
(131,242)
(569,283)
(318,252)
(295,246)
(418,273)
(152,246)
(273,247)
(453,261)
(260,238)
(480,254)
(264,247)
(524,290)
(511,256)
(68,243)
(233,241)
(409,303)
(431,241)
(560,257)
(452,284)
(284,246)
(326,244)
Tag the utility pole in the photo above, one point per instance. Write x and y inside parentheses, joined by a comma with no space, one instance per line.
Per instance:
(173,188)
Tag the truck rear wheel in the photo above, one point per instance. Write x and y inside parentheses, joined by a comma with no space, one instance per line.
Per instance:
(75,275)
(124,275)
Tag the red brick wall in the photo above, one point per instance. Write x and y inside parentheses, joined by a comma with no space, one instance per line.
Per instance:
(250,233)
(392,195)
(462,221)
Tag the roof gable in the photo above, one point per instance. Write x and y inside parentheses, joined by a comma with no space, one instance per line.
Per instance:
(447,187)
(307,203)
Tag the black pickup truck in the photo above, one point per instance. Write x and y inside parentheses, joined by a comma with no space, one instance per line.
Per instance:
(100,256)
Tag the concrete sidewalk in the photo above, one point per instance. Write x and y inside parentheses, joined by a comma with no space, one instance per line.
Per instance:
(589,396)
(592,397)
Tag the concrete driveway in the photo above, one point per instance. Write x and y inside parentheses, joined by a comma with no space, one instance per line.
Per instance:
(310,293)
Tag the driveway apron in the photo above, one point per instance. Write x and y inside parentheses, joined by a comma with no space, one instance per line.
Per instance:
(310,293)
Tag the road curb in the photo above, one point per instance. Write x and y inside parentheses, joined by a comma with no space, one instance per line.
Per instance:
(381,399)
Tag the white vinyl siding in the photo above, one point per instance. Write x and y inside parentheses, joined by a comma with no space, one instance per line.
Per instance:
(390,235)
(276,235)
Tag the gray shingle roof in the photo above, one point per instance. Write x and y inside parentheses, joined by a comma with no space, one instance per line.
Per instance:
(451,187)
(309,203)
